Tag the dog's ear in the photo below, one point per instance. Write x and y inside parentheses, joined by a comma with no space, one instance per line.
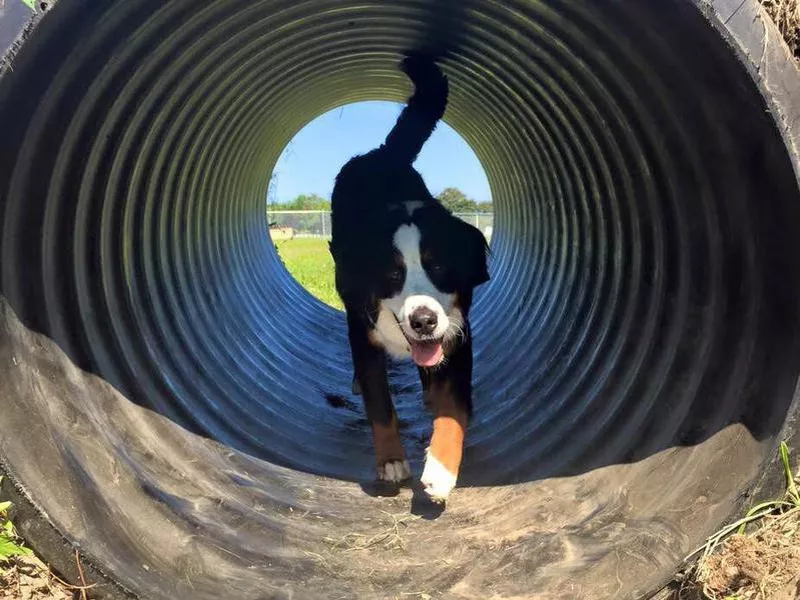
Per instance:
(463,245)
(473,251)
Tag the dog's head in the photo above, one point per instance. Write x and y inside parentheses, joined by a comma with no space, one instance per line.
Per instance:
(436,262)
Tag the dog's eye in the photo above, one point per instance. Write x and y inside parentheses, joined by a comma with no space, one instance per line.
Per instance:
(436,268)
(396,274)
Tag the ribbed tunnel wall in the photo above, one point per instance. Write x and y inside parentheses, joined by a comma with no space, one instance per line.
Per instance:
(164,379)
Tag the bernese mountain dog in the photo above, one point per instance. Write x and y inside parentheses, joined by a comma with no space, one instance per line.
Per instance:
(406,269)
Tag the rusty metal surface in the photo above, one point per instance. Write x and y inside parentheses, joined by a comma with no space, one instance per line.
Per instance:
(163,378)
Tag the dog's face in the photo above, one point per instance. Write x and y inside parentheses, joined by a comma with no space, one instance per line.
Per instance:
(403,259)
(436,262)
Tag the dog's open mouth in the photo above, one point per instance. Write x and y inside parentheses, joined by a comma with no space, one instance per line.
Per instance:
(426,353)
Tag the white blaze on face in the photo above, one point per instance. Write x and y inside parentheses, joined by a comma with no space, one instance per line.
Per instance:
(412,206)
(418,290)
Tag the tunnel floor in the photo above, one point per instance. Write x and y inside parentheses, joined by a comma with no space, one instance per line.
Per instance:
(204,509)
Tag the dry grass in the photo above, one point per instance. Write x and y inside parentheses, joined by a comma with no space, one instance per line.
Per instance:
(761,565)
(786,14)
(764,565)
(28,578)
(392,538)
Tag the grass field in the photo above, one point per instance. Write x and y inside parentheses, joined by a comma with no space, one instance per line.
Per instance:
(310,263)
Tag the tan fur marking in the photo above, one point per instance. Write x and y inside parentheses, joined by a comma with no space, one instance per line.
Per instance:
(447,442)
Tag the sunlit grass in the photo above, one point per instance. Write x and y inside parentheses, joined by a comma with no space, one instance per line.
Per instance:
(311,264)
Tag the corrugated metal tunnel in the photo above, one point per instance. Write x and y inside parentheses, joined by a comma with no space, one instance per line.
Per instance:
(163,378)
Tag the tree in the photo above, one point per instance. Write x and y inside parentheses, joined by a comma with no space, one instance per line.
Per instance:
(456,201)
(485,207)
(304,202)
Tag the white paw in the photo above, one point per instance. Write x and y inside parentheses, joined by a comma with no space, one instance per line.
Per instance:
(437,480)
(395,471)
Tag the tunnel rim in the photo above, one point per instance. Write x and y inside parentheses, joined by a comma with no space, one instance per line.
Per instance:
(35,524)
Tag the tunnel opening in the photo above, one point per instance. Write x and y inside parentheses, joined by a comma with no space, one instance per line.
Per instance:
(638,337)
(299,193)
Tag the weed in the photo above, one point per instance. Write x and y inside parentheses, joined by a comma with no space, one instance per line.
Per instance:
(756,564)
(10,544)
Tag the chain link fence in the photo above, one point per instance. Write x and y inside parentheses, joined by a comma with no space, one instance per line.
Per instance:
(288,224)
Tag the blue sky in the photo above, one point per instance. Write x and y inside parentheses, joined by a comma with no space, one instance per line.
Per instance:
(309,164)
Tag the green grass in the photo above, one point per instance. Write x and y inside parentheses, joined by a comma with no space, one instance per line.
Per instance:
(10,545)
(310,263)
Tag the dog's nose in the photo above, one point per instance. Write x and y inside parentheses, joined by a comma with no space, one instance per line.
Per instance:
(423,320)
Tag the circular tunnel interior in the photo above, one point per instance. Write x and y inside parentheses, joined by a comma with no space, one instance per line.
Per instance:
(167,384)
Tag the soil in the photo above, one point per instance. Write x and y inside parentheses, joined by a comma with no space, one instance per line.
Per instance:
(763,564)
(28,578)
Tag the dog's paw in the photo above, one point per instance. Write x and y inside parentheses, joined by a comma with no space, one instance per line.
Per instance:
(436,480)
(394,471)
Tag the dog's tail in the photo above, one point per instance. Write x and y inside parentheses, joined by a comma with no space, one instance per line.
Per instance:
(424,109)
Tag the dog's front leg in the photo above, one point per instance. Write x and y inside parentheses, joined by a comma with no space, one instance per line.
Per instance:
(369,363)
(448,394)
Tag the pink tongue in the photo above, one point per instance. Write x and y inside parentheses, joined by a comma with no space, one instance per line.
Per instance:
(427,355)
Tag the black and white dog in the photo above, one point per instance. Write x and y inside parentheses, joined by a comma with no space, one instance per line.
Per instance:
(405,270)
